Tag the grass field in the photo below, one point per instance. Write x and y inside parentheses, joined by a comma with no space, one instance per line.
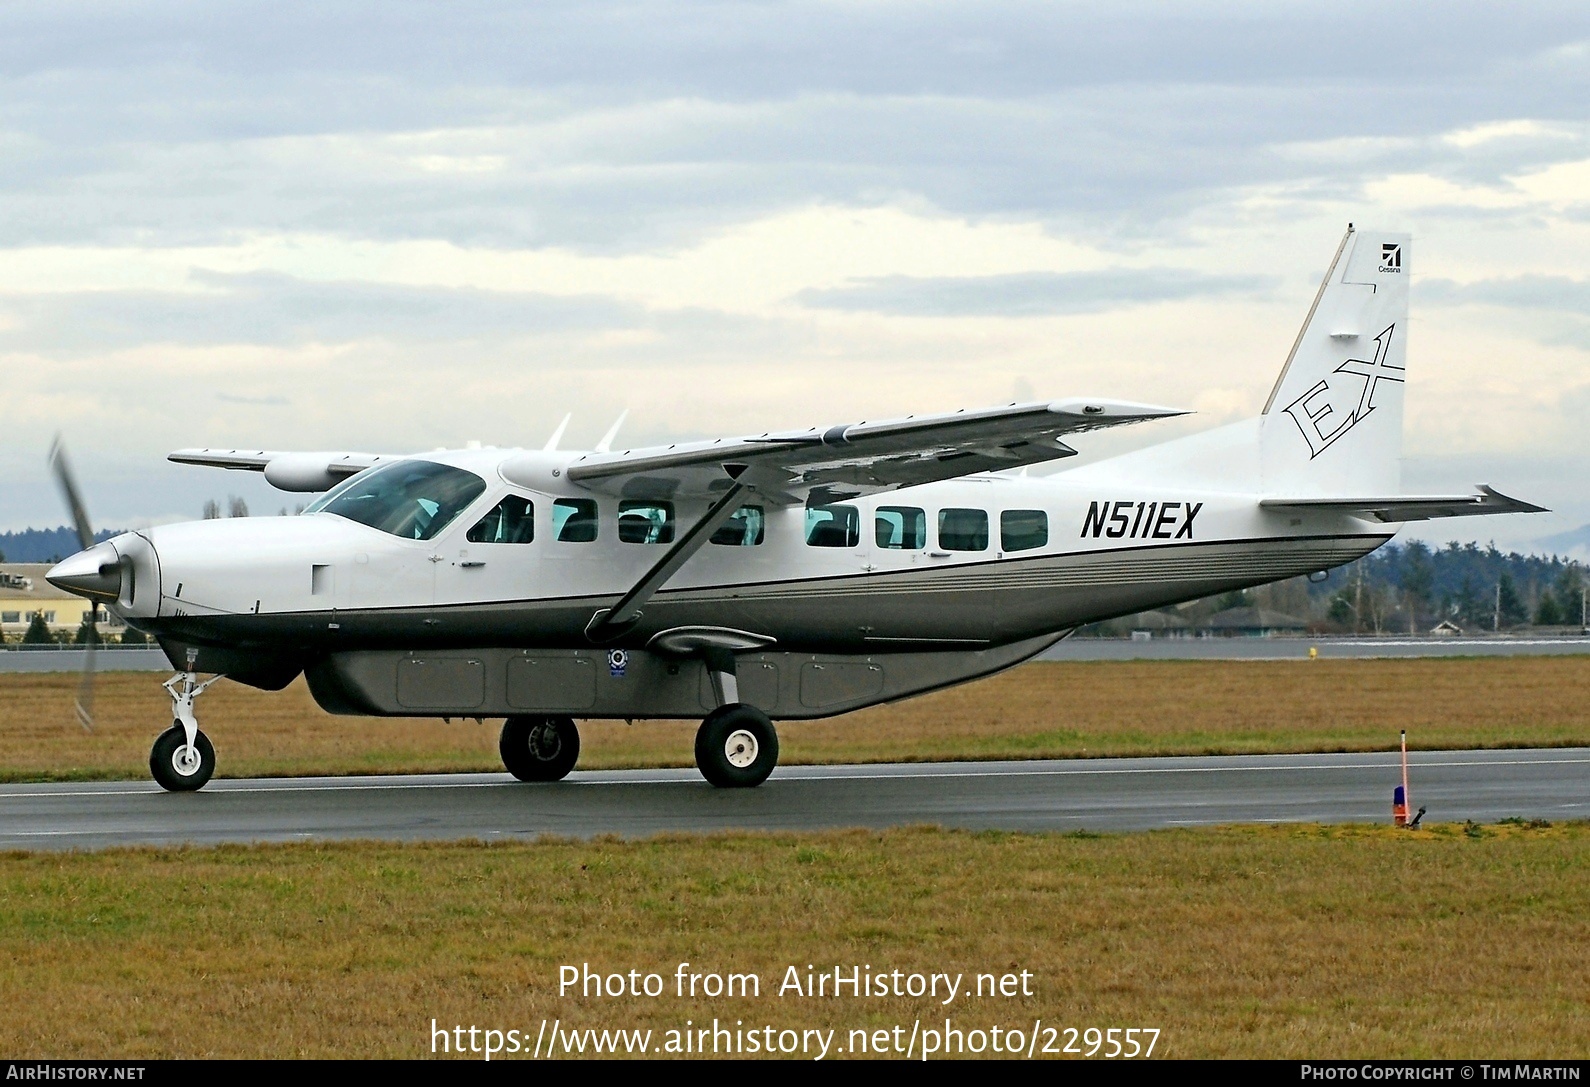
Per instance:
(1277,941)
(1041,710)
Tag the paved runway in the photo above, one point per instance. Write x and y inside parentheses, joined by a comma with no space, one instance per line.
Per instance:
(1095,794)
(1330,648)
(70,658)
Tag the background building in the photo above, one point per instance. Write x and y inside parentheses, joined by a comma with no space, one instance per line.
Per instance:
(24,593)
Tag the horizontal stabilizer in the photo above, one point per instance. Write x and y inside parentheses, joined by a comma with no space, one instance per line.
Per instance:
(1411,507)
(285,471)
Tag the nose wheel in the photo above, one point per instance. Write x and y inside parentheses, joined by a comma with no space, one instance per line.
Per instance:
(736,746)
(180,766)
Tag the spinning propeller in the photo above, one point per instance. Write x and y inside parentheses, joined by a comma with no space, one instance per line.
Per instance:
(85,539)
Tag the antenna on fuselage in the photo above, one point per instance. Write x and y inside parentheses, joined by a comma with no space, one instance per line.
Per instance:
(557,435)
(606,444)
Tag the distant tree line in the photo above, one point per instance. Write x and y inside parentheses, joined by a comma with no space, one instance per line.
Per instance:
(39,633)
(45,544)
(54,544)
(235,507)
(1472,586)
(1412,587)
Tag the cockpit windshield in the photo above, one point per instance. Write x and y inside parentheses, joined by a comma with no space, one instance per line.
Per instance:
(414,499)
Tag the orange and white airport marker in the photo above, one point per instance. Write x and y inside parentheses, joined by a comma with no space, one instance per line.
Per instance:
(1399,796)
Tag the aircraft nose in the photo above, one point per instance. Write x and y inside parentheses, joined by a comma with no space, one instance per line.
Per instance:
(95,573)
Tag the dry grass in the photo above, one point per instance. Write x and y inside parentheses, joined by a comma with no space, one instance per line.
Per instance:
(1042,710)
(1271,942)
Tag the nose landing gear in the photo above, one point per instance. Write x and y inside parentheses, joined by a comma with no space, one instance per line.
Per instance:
(182,758)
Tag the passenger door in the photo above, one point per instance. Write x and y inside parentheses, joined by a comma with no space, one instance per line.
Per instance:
(837,540)
(964,568)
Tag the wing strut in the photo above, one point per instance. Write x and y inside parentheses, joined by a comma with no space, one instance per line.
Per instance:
(612,623)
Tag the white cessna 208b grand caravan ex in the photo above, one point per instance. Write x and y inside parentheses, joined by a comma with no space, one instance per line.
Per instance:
(783,575)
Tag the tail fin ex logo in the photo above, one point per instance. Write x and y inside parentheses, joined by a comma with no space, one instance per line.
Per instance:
(1141,520)
(1390,257)
(1344,399)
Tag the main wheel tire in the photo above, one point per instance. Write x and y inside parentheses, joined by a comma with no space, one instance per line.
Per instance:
(178,768)
(539,748)
(736,746)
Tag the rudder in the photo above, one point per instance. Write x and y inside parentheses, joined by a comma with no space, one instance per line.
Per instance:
(1333,423)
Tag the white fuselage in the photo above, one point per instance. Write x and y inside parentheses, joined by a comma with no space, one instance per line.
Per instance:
(1110,546)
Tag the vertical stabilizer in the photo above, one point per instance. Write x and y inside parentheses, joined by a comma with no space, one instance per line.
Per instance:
(1333,423)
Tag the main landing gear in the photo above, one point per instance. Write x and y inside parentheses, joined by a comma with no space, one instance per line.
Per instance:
(539,748)
(736,746)
(182,758)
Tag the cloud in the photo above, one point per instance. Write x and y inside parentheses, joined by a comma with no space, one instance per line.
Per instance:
(258,401)
(1512,131)
(420,224)
(1026,294)
(267,308)
(1575,542)
(623,127)
(1559,293)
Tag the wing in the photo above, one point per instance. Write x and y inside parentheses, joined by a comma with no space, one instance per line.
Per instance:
(285,471)
(1411,507)
(828,464)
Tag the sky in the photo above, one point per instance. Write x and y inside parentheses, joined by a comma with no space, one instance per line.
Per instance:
(397,226)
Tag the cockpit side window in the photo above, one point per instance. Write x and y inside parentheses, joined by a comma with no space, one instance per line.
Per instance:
(414,499)
(513,521)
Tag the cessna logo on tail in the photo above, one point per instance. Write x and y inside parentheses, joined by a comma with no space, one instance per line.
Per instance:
(1344,399)
(1390,257)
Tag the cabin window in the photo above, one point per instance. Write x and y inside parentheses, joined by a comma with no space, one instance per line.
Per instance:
(833,526)
(900,528)
(574,520)
(1023,530)
(963,530)
(414,499)
(646,522)
(512,522)
(745,529)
